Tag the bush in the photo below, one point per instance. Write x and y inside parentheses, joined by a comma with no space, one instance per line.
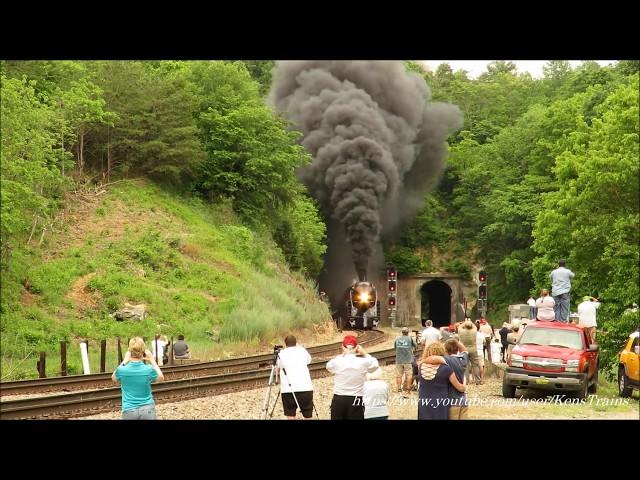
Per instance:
(616,330)
(458,266)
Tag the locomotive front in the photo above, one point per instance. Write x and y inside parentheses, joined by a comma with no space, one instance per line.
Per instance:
(363,296)
(363,307)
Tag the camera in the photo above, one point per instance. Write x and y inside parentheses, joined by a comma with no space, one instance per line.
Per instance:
(277,348)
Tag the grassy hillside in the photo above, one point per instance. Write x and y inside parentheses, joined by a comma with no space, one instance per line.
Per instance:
(199,271)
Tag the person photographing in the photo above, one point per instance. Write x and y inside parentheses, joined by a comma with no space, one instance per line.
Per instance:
(135,375)
(350,370)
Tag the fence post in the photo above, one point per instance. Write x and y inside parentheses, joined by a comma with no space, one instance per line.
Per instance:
(103,355)
(84,354)
(42,372)
(171,352)
(63,359)
(119,352)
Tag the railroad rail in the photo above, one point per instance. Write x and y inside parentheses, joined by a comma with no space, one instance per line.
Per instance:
(88,402)
(102,380)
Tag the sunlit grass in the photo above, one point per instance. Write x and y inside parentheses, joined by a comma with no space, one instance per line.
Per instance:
(196,268)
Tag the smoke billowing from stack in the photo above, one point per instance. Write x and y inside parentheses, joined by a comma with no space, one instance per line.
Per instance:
(378,144)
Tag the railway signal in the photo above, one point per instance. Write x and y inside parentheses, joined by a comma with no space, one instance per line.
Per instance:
(392,287)
(482,292)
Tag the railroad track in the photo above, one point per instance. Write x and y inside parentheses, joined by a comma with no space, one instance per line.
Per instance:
(103,380)
(88,402)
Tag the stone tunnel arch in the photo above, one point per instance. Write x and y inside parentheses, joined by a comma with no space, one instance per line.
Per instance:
(436,303)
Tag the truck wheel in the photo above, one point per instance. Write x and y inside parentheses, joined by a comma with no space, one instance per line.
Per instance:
(508,391)
(583,392)
(624,389)
(593,388)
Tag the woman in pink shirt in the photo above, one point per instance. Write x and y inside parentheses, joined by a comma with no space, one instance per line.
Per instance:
(545,306)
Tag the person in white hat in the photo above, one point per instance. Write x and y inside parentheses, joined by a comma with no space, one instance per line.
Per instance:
(587,315)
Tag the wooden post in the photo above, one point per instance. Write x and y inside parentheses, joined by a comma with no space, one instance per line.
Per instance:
(103,355)
(119,352)
(63,359)
(42,365)
(171,352)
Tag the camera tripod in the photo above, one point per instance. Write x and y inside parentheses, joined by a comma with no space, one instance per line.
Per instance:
(273,380)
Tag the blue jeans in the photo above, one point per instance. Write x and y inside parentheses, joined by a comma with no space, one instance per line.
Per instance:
(145,412)
(532,312)
(561,308)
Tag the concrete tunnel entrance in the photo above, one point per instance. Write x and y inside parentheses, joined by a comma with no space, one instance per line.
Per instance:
(436,303)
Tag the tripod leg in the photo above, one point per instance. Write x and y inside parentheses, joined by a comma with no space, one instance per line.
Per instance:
(265,405)
(275,404)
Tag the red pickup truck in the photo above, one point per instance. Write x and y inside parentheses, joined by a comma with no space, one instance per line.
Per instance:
(552,356)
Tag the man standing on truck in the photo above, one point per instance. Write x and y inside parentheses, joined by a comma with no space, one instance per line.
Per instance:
(587,313)
(561,286)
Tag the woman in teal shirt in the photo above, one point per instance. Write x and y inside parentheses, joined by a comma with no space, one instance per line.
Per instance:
(135,374)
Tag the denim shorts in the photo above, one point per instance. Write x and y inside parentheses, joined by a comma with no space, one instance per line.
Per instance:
(145,412)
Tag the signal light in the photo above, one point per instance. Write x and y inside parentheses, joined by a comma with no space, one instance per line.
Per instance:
(482,276)
(392,285)
(482,292)
(391,272)
(392,301)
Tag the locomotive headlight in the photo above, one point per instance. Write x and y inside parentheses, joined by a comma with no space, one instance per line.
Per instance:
(364,297)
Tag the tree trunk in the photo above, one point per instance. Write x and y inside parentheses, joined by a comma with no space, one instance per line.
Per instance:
(33,228)
(81,152)
(108,154)
(62,135)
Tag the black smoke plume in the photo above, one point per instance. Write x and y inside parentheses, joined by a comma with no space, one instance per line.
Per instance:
(378,143)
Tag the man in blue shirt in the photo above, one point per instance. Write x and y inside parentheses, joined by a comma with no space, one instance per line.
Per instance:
(135,375)
(404,346)
(561,286)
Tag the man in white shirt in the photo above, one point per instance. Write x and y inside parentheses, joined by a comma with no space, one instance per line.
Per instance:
(430,334)
(350,370)
(532,308)
(295,379)
(158,346)
(587,313)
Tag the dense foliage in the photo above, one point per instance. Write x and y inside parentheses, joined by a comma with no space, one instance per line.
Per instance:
(200,127)
(543,169)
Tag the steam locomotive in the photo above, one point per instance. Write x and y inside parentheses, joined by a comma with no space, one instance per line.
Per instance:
(362,307)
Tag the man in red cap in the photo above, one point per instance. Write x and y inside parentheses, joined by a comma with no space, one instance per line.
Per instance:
(350,370)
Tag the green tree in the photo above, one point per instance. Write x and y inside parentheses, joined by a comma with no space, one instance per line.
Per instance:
(593,221)
(261,72)
(32,185)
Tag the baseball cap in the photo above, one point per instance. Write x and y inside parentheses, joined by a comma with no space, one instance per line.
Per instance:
(586,298)
(350,340)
